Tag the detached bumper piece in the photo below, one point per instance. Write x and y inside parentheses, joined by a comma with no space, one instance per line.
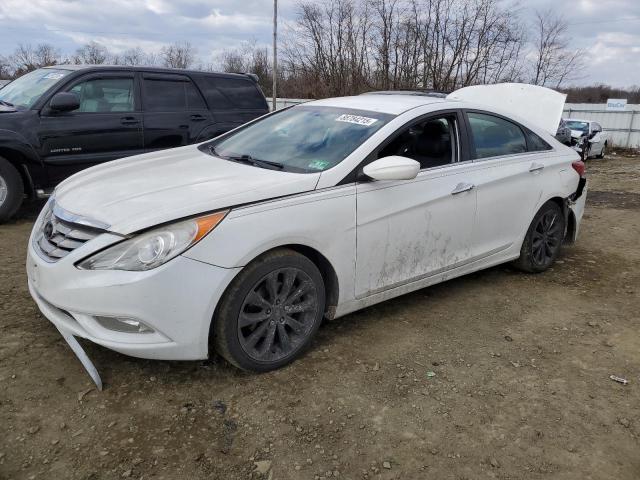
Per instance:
(82,356)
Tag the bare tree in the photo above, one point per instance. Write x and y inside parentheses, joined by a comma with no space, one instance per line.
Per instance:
(91,53)
(27,57)
(554,61)
(178,55)
(134,56)
(5,68)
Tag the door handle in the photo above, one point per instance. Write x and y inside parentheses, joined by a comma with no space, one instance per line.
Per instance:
(463,187)
(536,167)
(129,121)
(197,118)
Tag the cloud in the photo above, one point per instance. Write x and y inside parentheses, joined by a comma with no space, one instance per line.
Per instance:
(609,30)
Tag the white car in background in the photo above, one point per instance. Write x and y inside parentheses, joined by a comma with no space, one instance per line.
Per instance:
(243,244)
(586,132)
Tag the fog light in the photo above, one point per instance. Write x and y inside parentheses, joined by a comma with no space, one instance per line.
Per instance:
(123,324)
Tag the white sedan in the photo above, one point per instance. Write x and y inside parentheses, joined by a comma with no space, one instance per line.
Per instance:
(586,132)
(243,244)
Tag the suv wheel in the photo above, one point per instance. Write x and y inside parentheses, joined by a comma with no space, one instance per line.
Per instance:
(543,240)
(11,190)
(270,312)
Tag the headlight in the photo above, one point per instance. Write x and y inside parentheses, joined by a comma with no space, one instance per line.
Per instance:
(153,248)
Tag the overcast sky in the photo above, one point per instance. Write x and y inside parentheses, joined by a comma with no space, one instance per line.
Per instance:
(608,29)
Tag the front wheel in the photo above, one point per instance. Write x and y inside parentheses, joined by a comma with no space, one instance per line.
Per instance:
(11,190)
(543,240)
(603,152)
(270,312)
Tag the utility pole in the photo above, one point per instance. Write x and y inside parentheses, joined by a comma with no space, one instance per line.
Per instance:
(275,53)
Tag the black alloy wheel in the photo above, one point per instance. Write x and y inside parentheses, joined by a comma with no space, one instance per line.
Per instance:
(543,240)
(547,238)
(277,314)
(270,312)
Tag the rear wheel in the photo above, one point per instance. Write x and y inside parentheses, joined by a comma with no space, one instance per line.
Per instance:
(270,312)
(11,190)
(543,240)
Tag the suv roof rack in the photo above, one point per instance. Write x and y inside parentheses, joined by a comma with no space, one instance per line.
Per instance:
(253,77)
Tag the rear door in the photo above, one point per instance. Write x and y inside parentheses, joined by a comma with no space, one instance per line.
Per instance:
(107,126)
(233,100)
(175,113)
(513,165)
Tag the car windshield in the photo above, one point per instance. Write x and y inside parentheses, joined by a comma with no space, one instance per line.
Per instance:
(301,139)
(576,125)
(26,90)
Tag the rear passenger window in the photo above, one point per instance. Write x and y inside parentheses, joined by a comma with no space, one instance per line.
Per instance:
(495,136)
(223,93)
(536,144)
(162,95)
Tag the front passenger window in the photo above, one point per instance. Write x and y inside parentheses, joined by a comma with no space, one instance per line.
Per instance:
(100,95)
(430,142)
(494,136)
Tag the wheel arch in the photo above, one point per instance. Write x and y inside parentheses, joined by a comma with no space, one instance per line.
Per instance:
(20,156)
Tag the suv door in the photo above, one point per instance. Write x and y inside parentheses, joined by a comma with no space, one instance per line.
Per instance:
(408,230)
(174,111)
(513,166)
(108,125)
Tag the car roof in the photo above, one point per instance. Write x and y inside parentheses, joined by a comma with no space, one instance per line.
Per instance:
(141,68)
(394,104)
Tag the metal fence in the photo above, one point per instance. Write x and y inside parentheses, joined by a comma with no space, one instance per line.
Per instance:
(623,126)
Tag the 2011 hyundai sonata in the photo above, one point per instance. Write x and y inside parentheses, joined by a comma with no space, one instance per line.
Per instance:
(244,243)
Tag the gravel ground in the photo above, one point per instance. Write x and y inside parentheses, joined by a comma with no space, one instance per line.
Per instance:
(495,375)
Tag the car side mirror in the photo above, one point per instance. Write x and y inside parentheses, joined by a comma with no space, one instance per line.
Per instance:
(394,167)
(64,102)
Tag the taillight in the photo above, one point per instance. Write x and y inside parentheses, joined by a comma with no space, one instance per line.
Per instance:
(579,167)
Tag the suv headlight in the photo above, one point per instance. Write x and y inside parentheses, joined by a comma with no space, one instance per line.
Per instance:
(153,248)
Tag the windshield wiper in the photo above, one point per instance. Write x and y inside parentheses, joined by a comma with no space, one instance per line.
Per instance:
(6,104)
(248,159)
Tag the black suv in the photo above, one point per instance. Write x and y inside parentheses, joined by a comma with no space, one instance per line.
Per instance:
(58,120)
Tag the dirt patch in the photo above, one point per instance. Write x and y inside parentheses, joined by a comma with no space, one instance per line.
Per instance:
(614,199)
(495,375)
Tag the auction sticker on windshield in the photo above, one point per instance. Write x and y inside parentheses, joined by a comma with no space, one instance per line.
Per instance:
(357,119)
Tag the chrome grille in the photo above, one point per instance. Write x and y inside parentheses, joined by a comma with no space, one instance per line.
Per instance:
(57,238)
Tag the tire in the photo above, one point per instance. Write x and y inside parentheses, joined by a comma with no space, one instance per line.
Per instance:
(11,190)
(265,320)
(543,240)
(603,152)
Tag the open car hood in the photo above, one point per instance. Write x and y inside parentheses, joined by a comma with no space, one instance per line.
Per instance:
(539,105)
(138,192)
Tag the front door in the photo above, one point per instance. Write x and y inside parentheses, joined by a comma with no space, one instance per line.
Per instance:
(107,126)
(408,230)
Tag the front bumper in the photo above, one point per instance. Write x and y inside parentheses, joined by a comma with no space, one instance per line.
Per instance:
(176,300)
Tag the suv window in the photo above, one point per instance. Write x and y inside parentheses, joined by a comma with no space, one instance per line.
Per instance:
(596,127)
(494,136)
(167,95)
(223,93)
(99,95)
(430,142)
